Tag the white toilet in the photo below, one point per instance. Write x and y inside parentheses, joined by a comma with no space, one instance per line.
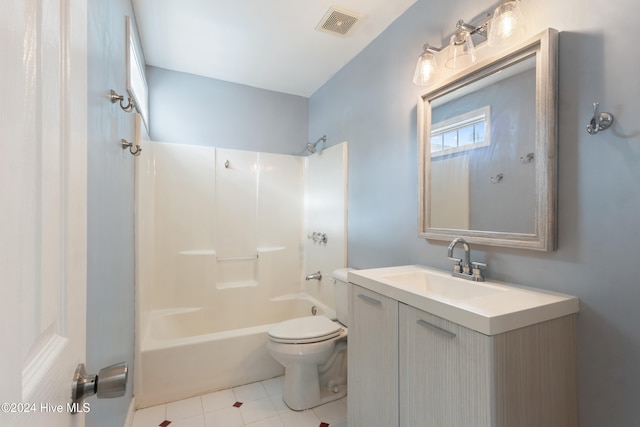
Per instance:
(313,351)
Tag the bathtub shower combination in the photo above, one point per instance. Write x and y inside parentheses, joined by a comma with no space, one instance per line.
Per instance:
(221,254)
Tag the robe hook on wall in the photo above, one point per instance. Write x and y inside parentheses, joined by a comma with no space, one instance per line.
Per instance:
(496,179)
(527,159)
(115,98)
(600,121)
(126,144)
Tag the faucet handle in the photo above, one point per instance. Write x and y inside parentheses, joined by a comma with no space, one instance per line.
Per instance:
(457,267)
(476,269)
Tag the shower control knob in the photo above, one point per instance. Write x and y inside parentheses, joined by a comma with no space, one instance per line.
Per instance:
(110,382)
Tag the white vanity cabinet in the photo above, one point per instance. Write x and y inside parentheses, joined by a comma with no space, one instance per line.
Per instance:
(410,368)
(373,359)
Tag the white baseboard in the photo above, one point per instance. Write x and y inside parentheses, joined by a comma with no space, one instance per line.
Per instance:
(128,422)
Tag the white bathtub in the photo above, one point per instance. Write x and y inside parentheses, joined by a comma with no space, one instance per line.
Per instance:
(190,351)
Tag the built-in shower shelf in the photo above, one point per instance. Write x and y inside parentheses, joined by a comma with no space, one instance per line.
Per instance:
(199,252)
(238,258)
(271,249)
(213,251)
(232,285)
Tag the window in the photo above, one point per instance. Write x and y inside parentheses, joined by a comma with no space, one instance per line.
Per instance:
(461,133)
(136,80)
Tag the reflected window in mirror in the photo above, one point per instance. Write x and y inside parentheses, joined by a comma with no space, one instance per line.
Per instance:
(460,133)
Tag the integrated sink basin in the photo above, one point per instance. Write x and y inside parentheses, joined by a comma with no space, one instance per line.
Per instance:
(440,284)
(489,307)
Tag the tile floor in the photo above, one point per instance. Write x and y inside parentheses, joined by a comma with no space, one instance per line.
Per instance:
(254,405)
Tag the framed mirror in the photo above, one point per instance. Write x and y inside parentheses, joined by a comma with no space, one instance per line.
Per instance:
(488,145)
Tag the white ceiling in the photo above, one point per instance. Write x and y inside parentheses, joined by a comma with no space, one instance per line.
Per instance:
(269,44)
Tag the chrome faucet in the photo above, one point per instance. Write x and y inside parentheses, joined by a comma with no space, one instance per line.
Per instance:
(315,276)
(464,268)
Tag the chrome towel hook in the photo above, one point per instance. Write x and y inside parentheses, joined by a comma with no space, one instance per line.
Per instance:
(115,98)
(126,144)
(600,121)
(527,159)
(496,179)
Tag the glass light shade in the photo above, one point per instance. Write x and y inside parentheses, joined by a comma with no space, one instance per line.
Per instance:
(462,53)
(507,24)
(426,68)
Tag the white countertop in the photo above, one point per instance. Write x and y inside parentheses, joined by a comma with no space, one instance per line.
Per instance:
(489,307)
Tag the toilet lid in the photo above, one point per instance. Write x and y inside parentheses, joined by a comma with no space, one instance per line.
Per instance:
(305,330)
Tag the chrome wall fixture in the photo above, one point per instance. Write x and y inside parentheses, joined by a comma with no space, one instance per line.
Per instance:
(527,159)
(137,125)
(496,179)
(500,28)
(312,147)
(114,97)
(130,145)
(600,121)
(318,237)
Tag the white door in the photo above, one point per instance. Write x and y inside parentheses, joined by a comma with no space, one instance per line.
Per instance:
(43,206)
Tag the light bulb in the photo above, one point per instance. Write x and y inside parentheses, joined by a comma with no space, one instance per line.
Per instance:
(507,24)
(462,52)
(426,68)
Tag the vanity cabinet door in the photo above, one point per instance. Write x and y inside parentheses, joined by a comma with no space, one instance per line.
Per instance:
(372,359)
(445,373)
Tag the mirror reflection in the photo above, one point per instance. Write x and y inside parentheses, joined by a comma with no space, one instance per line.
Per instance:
(479,133)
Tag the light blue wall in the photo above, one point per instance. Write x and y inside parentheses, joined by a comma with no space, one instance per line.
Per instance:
(110,281)
(372,104)
(190,109)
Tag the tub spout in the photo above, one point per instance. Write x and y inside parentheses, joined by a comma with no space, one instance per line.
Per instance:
(315,276)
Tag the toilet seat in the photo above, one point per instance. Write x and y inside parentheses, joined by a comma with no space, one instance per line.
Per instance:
(305,330)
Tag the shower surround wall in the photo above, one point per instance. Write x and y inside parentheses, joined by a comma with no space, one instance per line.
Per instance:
(218,226)
(220,253)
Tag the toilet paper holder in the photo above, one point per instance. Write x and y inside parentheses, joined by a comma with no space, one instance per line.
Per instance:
(109,382)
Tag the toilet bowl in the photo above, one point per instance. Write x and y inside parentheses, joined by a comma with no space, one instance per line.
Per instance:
(313,351)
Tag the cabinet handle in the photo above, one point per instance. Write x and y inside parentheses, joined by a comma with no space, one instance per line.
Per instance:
(436,328)
(369,299)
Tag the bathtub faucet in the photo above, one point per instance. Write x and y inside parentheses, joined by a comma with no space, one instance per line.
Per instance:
(315,276)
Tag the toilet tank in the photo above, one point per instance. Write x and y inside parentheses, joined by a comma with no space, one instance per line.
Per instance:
(341,283)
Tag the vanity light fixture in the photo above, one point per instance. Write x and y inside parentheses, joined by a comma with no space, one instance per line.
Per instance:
(427,66)
(500,28)
(507,24)
(462,52)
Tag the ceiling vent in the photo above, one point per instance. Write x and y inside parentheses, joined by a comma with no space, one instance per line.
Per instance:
(338,21)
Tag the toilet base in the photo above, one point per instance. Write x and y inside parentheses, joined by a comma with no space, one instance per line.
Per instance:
(307,386)
(325,395)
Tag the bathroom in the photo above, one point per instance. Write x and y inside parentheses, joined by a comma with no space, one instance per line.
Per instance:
(371,103)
